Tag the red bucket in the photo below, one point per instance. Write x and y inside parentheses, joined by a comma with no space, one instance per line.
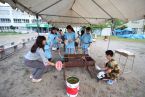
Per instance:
(72,88)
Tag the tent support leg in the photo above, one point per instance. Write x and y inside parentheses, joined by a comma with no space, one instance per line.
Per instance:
(37,24)
(112,29)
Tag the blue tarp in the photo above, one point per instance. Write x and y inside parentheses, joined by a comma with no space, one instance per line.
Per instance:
(133,36)
(122,32)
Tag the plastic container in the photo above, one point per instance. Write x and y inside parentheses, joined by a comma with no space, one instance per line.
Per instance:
(72,86)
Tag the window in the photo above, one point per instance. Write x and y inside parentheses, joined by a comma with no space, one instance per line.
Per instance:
(17,20)
(4,27)
(5,20)
(21,20)
(27,20)
(35,21)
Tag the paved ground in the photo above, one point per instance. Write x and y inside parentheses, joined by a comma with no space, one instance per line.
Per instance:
(15,80)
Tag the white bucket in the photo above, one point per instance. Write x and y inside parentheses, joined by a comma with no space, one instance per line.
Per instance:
(72,88)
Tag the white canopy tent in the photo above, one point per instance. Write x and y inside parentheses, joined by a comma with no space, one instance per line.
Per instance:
(81,11)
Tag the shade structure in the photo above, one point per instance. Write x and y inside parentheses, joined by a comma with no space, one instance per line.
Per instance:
(81,11)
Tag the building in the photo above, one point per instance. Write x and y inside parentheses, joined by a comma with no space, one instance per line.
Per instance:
(18,21)
(137,26)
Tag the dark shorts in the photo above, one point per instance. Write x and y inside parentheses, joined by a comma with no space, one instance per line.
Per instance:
(76,44)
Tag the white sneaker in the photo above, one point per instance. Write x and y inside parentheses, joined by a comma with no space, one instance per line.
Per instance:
(36,80)
(31,76)
(97,67)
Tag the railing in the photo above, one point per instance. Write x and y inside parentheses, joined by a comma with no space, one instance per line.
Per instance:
(9,49)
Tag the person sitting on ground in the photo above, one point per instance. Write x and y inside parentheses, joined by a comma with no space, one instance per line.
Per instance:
(36,59)
(111,70)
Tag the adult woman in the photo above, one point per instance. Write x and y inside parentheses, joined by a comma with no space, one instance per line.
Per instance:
(36,59)
(70,40)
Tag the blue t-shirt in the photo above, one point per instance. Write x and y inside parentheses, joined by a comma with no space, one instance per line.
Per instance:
(70,36)
(86,39)
(47,49)
(51,37)
(49,44)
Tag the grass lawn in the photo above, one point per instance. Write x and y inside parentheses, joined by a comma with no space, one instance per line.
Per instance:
(123,39)
(9,33)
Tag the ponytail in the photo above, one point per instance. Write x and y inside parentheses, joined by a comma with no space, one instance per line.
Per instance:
(34,48)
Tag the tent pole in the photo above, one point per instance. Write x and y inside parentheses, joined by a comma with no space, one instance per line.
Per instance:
(73,4)
(82,16)
(37,24)
(112,29)
(49,6)
(101,8)
(71,16)
(143,24)
(69,23)
(16,2)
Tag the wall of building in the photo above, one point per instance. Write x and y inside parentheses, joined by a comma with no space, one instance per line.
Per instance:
(137,26)
(10,17)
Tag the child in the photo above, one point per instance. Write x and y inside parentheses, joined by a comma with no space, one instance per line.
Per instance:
(70,40)
(86,40)
(111,70)
(47,48)
(58,39)
(49,43)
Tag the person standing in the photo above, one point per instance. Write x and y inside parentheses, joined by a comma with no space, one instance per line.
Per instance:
(36,59)
(48,50)
(86,40)
(50,43)
(70,38)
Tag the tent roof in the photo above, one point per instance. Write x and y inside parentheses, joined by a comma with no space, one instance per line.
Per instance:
(81,11)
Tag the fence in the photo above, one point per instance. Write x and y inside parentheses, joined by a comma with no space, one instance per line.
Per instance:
(9,49)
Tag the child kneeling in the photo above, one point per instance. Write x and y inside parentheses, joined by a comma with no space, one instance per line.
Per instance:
(111,70)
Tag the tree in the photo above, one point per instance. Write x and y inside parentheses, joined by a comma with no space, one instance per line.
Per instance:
(116,23)
(98,26)
(13,28)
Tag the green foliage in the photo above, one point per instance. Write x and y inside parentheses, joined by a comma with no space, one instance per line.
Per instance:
(12,27)
(99,26)
(9,33)
(116,23)
(123,39)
